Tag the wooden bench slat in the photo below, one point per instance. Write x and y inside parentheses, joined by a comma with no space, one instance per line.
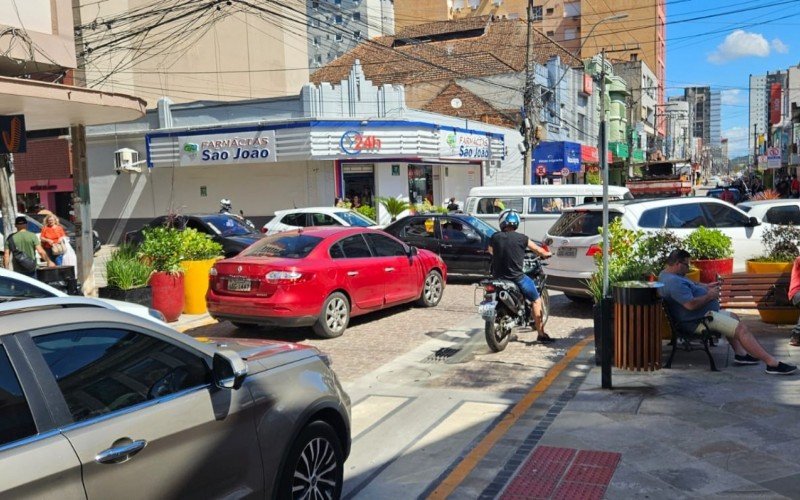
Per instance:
(746,290)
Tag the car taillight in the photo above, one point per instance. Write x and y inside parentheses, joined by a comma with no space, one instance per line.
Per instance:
(284,277)
(594,250)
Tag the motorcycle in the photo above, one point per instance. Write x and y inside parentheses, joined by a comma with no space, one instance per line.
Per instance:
(504,307)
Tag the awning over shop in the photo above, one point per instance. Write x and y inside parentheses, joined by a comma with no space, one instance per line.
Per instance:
(638,155)
(589,154)
(49,105)
(619,150)
(556,156)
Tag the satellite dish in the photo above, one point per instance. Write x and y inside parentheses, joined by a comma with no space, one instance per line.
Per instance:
(455,103)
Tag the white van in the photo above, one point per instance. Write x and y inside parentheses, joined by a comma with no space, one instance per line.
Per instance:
(539,205)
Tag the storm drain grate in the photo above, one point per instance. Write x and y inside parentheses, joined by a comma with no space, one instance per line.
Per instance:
(442,354)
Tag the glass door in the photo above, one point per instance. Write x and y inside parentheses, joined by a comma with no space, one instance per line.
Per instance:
(420,184)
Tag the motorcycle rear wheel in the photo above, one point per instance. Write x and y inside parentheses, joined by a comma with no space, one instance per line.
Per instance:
(494,336)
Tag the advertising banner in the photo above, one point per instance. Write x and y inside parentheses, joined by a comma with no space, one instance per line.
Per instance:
(255,146)
(775,104)
(556,156)
(458,145)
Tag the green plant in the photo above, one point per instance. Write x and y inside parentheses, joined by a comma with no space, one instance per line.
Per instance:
(624,263)
(653,248)
(781,244)
(124,270)
(198,246)
(367,211)
(593,178)
(706,244)
(162,248)
(394,206)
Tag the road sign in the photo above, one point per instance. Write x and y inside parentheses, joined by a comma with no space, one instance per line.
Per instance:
(564,171)
(773,158)
(541,170)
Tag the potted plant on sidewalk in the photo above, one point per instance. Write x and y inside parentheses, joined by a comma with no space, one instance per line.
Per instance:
(127,276)
(162,248)
(199,252)
(711,251)
(394,206)
(781,248)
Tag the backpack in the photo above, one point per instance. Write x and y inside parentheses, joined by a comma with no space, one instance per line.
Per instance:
(22,262)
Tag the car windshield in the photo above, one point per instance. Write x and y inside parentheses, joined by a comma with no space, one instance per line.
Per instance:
(292,245)
(227,225)
(482,227)
(356,219)
(580,223)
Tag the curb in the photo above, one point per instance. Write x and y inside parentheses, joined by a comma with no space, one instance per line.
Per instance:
(208,320)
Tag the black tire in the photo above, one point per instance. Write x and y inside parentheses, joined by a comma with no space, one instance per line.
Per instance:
(432,289)
(493,333)
(545,306)
(334,317)
(243,326)
(315,462)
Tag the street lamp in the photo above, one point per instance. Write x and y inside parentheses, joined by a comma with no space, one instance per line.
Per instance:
(606,302)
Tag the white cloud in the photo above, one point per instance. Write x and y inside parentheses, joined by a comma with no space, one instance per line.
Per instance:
(730,96)
(737,141)
(778,46)
(740,44)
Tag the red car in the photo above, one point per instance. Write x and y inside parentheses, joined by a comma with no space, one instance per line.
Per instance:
(322,276)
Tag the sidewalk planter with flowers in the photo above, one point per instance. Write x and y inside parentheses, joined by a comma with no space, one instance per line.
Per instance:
(780,250)
(127,276)
(711,251)
(162,247)
(199,252)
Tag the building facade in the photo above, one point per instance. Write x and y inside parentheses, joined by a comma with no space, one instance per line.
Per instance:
(336,26)
(677,143)
(759,115)
(705,106)
(642,107)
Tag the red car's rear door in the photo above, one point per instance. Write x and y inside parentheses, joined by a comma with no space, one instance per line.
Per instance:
(403,282)
(363,275)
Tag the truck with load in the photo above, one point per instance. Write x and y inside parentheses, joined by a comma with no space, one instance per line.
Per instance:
(665,178)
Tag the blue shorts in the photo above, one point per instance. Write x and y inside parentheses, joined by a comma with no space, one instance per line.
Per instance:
(528,288)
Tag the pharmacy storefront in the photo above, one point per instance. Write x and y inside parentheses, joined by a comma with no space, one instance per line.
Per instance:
(280,165)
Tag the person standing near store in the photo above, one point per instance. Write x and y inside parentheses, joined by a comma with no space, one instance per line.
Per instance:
(53,239)
(26,244)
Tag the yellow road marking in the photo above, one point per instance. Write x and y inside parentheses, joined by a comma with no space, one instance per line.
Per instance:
(462,470)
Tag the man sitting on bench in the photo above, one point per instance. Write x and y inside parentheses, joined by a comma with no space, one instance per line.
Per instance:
(690,302)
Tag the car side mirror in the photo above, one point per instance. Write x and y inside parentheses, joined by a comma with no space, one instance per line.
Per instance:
(229,369)
(753,222)
(411,251)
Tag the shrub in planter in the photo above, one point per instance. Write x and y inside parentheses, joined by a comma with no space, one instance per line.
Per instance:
(199,252)
(711,251)
(127,276)
(367,211)
(781,248)
(163,249)
(394,206)
(654,248)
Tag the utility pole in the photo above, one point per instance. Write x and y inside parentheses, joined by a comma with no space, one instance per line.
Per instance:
(83,215)
(607,302)
(529,114)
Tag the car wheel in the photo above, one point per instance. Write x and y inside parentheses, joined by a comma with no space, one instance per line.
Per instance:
(431,290)
(243,326)
(334,317)
(315,465)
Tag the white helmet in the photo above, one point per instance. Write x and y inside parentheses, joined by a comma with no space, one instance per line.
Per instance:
(225,203)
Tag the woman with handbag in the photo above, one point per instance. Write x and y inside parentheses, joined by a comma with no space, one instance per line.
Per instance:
(52,239)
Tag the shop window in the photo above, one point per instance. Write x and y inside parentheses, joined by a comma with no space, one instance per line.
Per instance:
(536,13)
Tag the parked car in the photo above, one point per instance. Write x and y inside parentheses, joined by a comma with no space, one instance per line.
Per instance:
(69,228)
(228,230)
(322,277)
(574,239)
(462,241)
(717,193)
(295,218)
(782,211)
(102,404)
(15,286)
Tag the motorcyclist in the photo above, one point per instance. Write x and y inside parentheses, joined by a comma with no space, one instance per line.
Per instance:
(507,248)
(226,207)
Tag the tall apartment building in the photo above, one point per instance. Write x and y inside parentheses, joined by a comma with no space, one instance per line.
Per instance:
(192,51)
(759,114)
(705,105)
(337,26)
(640,36)
(677,141)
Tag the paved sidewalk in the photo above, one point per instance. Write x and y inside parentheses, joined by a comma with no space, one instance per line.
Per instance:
(686,432)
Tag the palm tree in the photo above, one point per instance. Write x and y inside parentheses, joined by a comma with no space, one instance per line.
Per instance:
(395,206)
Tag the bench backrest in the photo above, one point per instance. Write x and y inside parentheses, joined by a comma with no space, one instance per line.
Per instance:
(749,291)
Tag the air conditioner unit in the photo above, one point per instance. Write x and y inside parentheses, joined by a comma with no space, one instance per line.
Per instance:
(127,160)
(495,163)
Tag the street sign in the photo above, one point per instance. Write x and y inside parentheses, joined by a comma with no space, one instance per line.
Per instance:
(773,157)
(541,171)
(564,171)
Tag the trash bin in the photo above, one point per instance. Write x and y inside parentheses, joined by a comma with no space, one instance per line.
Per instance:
(637,325)
(60,277)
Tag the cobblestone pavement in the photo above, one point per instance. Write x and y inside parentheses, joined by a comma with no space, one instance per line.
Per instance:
(375,339)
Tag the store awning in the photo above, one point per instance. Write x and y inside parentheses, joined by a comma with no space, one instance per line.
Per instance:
(49,105)
(589,154)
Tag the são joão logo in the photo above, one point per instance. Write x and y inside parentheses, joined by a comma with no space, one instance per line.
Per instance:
(235,148)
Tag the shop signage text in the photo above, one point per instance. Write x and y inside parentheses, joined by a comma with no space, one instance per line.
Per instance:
(247,147)
(461,145)
(354,142)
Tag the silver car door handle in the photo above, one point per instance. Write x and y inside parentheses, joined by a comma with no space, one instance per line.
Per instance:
(119,454)
(352,273)
(388,269)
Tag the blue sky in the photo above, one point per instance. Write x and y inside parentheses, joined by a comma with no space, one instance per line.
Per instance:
(723,51)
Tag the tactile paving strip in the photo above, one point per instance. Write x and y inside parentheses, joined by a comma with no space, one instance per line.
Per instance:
(563,473)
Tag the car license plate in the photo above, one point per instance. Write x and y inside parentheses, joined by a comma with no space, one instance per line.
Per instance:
(239,284)
(567,252)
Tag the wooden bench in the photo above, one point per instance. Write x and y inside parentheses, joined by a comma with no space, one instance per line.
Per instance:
(755,291)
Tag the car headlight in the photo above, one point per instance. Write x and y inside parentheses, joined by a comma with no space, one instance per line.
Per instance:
(157,314)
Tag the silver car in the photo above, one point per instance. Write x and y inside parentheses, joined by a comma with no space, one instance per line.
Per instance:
(98,403)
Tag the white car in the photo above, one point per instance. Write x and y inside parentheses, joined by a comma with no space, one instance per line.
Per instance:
(295,218)
(783,211)
(574,238)
(15,286)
